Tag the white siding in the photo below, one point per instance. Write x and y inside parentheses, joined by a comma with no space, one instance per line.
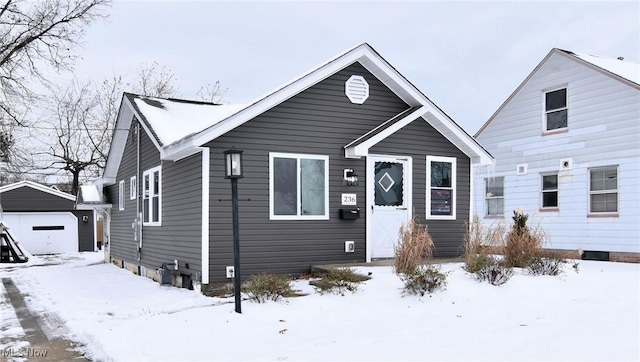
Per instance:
(603,130)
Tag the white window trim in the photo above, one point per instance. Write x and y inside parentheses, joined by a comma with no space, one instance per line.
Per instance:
(121,195)
(544,108)
(487,198)
(452,161)
(542,190)
(133,188)
(617,191)
(298,156)
(150,172)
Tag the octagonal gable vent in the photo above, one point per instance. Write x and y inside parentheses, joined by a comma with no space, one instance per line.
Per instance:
(357,89)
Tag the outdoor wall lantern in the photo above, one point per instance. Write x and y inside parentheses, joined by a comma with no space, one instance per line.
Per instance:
(350,177)
(233,171)
(233,163)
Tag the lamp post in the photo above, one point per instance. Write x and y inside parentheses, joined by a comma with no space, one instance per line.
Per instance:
(233,171)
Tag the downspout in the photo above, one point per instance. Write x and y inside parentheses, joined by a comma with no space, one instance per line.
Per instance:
(138,180)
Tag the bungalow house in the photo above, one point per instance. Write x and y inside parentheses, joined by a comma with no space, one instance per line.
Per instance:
(567,152)
(334,163)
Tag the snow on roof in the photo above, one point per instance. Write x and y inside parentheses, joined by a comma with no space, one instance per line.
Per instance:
(90,193)
(624,69)
(173,120)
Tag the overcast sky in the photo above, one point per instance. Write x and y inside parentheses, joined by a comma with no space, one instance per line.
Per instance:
(467,57)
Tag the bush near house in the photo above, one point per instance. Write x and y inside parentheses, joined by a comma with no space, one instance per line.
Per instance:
(339,281)
(414,248)
(266,286)
(520,246)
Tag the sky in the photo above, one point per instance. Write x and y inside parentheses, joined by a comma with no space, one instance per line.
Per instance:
(467,57)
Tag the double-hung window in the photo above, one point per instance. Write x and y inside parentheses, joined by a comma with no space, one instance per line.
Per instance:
(555,109)
(550,191)
(121,195)
(494,196)
(441,187)
(298,186)
(603,190)
(133,188)
(152,196)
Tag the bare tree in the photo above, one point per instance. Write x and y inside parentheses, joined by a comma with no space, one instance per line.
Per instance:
(35,36)
(73,118)
(154,80)
(211,93)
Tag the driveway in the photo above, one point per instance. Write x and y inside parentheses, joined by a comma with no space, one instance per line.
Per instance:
(27,336)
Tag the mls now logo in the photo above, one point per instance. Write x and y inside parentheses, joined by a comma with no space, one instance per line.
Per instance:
(23,353)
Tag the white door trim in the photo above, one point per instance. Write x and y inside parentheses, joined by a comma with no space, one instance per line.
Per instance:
(408,184)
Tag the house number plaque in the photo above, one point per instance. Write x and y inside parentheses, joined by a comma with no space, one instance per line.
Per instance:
(349,199)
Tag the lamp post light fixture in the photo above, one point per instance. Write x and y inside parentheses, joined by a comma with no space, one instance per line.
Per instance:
(233,171)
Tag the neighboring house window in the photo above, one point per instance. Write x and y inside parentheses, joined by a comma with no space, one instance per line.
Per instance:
(550,191)
(603,190)
(152,196)
(133,188)
(555,108)
(298,186)
(494,196)
(441,187)
(121,195)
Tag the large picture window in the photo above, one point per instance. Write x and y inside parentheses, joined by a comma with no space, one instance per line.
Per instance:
(550,191)
(441,187)
(298,186)
(494,196)
(152,196)
(603,190)
(555,109)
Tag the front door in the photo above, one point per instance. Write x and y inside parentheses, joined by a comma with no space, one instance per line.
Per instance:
(390,202)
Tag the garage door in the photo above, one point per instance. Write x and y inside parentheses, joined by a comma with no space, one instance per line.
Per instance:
(44,233)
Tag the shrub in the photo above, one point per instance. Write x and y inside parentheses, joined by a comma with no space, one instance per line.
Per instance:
(424,279)
(264,287)
(494,272)
(475,263)
(339,281)
(522,243)
(539,265)
(414,245)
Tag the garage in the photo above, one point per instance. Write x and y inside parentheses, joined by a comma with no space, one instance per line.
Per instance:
(44,233)
(45,220)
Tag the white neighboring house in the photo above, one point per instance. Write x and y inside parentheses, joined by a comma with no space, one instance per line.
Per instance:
(567,152)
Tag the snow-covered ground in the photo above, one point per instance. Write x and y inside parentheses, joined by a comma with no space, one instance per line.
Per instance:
(590,315)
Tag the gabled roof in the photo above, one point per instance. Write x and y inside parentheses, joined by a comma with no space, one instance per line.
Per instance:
(38,187)
(166,119)
(621,70)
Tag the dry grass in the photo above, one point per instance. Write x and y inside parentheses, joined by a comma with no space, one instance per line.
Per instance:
(523,244)
(413,247)
(480,242)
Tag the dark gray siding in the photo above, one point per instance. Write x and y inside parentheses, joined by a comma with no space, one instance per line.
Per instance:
(122,241)
(179,236)
(418,140)
(320,120)
(85,230)
(23,199)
